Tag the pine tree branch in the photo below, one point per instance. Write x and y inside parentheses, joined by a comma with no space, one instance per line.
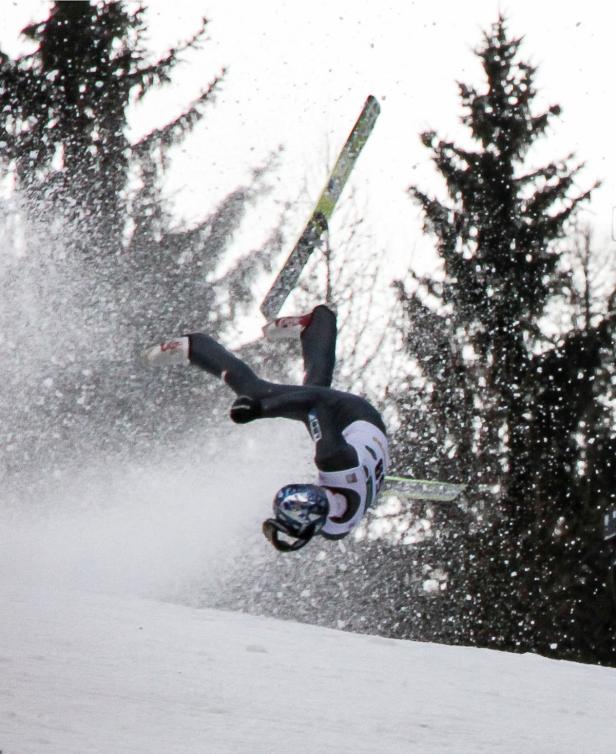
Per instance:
(157,73)
(545,197)
(174,131)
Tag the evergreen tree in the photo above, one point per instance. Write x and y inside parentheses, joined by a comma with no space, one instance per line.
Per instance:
(506,403)
(64,114)
(109,264)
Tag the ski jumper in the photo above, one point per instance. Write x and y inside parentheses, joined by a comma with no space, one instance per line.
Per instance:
(351,450)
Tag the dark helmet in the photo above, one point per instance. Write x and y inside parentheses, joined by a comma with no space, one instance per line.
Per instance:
(300,511)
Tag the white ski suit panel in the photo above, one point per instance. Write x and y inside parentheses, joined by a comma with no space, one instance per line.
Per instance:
(365,479)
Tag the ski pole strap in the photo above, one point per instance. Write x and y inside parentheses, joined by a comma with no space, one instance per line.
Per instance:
(272,528)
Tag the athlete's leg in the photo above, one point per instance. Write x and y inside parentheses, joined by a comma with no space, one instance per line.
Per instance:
(315,406)
(319,347)
(208,354)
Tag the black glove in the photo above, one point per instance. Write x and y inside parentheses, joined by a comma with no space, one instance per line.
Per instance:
(245,409)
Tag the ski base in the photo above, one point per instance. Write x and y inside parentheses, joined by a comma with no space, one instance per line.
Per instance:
(423,489)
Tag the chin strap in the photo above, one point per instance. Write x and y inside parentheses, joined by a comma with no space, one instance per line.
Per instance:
(272,528)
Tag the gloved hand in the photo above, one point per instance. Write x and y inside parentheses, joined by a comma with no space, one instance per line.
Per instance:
(245,409)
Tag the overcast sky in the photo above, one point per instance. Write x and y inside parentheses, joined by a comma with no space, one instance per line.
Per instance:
(298,73)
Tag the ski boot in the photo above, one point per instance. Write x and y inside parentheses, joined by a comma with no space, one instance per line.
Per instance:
(286,327)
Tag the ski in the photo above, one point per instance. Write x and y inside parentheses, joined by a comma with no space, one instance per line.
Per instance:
(423,489)
(318,223)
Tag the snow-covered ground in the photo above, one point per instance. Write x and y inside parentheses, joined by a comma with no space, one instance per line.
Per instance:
(83,672)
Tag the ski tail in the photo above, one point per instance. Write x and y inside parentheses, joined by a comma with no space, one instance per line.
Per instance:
(318,223)
(423,489)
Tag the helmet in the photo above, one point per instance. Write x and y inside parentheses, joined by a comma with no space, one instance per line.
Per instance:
(301,507)
(300,511)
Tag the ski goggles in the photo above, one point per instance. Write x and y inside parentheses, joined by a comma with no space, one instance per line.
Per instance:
(272,529)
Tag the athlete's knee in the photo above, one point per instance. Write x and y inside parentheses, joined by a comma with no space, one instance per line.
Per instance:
(322,312)
(322,327)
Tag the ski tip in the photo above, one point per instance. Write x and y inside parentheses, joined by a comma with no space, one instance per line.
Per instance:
(372,103)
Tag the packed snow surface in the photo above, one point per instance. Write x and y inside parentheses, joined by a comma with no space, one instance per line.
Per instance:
(84,672)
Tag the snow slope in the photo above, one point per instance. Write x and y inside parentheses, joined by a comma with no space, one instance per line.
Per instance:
(83,672)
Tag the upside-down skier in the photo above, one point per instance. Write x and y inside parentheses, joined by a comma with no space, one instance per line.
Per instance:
(350,438)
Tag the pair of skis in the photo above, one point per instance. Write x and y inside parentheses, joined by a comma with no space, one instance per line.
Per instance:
(316,227)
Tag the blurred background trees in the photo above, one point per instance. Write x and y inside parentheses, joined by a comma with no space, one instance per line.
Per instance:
(90,235)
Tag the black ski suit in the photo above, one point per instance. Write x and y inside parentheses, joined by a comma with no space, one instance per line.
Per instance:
(326,412)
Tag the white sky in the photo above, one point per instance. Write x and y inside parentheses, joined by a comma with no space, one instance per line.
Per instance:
(298,74)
